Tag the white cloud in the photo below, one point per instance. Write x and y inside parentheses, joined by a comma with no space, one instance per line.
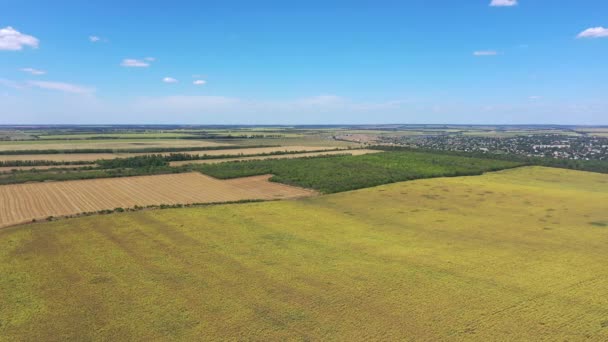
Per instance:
(485,53)
(150,59)
(199,82)
(503,3)
(170,80)
(33,71)
(94,39)
(13,40)
(60,86)
(534,97)
(594,32)
(134,63)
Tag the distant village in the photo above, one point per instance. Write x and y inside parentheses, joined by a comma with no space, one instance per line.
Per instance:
(551,146)
(534,145)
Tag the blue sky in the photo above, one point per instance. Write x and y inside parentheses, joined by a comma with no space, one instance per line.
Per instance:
(307,62)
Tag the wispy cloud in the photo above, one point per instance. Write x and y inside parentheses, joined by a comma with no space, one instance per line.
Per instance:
(534,97)
(150,59)
(13,40)
(170,80)
(199,82)
(60,86)
(48,85)
(94,39)
(594,32)
(135,63)
(11,84)
(503,3)
(485,53)
(33,71)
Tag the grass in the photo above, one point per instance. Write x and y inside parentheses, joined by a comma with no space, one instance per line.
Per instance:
(501,256)
(343,173)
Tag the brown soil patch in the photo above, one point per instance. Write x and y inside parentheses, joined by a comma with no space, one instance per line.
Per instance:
(22,203)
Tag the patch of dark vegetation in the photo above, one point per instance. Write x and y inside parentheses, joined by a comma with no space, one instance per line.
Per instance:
(147,161)
(89,173)
(128,150)
(601,224)
(34,163)
(330,174)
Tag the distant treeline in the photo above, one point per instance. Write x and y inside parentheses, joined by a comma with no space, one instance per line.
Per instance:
(33,163)
(600,166)
(128,150)
(65,175)
(148,161)
(156,160)
(143,137)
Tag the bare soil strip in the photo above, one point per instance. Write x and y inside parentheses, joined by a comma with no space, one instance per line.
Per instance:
(282,156)
(96,156)
(21,203)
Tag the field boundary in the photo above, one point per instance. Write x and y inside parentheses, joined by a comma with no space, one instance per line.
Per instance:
(137,209)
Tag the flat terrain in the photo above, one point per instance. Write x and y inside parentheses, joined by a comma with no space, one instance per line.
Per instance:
(517,255)
(103,144)
(359,152)
(154,135)
(24,202)
(97,156)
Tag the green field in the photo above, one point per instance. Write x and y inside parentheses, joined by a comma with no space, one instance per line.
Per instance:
(514,255)
(343,173)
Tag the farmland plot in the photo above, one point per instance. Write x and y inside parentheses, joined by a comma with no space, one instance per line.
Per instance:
(517,255)
(24,202)
(282,156)
(97,156)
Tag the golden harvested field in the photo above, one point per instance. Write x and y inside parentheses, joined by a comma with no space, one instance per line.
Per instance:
(96,156)
(103,144)
(23,202)
(284,156)
(518,255)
